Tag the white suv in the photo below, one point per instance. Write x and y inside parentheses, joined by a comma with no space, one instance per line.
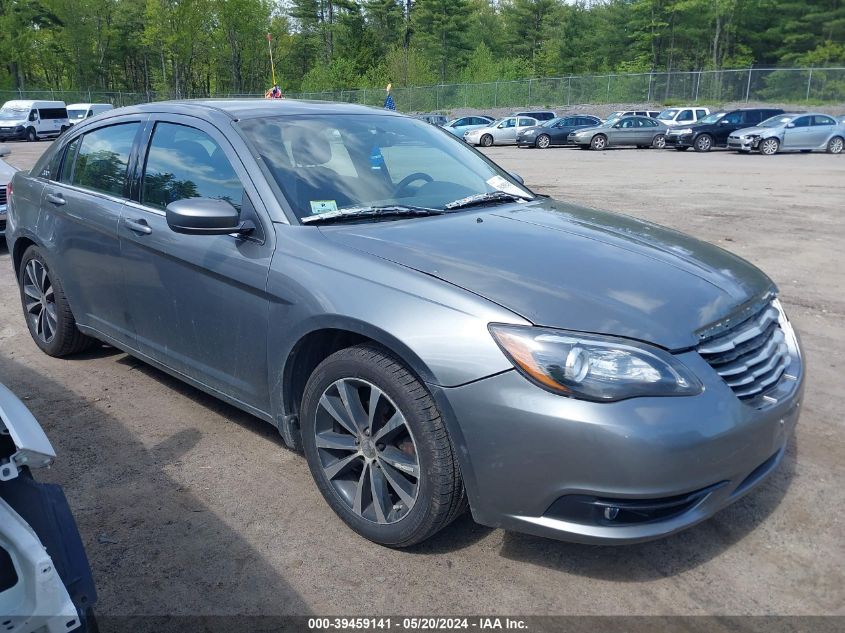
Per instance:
(682,116)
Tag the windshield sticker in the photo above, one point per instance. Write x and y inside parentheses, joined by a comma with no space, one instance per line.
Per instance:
(501,184)
(323,206)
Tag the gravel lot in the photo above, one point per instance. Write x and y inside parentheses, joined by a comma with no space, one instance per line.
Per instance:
(188,506)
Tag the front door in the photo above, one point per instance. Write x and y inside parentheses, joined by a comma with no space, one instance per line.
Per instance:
(198,303)
(626,132)
(81,210)
(798,133)
(507,131)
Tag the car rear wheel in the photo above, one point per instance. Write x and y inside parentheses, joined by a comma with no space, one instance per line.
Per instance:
(835,145)
(48,315)
(543,141)
(378,448)
(599,142)
(486,140)
(31,135)
(704,143)
(769,146)
(659,141)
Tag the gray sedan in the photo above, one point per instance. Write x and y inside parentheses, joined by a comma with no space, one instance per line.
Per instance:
(6,173)
(430,332)
(791,132)
(637,131)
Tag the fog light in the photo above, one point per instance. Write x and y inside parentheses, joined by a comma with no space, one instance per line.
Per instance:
(611,513)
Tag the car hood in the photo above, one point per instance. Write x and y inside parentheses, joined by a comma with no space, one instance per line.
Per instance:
(563,266)
(754,130)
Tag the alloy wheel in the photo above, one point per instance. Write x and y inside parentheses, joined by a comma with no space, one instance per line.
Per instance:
(769,146)
(836,145)
(543,141)
(598,142)
(40,301)
(366,450)
(659,141)
(703,143)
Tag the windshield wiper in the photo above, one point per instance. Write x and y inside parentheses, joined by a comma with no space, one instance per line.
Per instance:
(358,213)
(485,198)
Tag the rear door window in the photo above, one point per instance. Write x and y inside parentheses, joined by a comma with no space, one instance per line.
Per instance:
(103,157)
(823,120)
(67,162)
(184,162)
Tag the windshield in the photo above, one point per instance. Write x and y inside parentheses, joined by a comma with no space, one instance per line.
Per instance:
(328,163)
(667,115)
(712,118)
(775,121)
(550,122)
(74,115)
(10,114)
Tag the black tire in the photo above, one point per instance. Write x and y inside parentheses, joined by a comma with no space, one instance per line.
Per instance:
(598,142)
(543,141)
(835,145)
(440,495)
(486,140)
(31,136)
(65,338)
(703,143)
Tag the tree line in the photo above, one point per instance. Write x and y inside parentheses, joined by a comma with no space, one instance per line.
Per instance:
(184,48)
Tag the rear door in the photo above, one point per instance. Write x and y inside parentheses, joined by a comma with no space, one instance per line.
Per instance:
(80,211)
(822,127)
(198,303)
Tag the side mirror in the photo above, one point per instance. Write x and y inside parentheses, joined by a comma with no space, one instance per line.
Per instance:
(5,150)
(516,177)
(790,125)
(205,216)
(617,125)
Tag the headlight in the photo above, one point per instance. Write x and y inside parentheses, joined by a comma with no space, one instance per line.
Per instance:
(686,130)
(592,367)
(752,137)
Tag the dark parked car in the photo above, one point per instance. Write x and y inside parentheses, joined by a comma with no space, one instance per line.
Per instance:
(539,115)
(714,129)
(555,131)
(433,118)
(394,302)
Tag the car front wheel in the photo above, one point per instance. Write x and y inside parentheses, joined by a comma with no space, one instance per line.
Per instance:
(48,315)
(486,140)
(31,135)
(599,142)
(704,143)
(543,141)
(378,448)
(769,146)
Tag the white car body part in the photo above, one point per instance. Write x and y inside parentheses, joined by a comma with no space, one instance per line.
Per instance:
(38,601)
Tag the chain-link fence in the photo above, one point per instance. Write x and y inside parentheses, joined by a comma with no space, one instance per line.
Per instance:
(782,85)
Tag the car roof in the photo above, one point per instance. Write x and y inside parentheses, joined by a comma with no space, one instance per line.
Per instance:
(237,109)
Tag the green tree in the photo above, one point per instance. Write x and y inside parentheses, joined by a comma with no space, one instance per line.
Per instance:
(440,28)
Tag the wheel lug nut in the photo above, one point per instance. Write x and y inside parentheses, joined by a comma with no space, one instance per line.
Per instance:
(366,432)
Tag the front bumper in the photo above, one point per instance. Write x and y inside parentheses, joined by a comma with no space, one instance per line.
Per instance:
(677,140)
(535,462)
(12,134)
(742,143)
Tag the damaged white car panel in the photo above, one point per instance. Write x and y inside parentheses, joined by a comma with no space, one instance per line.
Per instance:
(33,596)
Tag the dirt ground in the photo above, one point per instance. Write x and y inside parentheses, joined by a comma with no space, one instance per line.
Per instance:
(188,506)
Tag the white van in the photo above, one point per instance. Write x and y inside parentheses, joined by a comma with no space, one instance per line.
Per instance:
(77,112)
(682,116)
(32,119)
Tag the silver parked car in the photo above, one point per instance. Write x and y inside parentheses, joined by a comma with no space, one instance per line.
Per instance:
(465,124)
(392,301)
(791,132)
(501,132)
(638,131)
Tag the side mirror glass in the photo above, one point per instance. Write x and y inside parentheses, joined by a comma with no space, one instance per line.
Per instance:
(205,216)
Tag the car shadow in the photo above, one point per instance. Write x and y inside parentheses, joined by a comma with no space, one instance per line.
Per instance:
(664,557)
(160,556)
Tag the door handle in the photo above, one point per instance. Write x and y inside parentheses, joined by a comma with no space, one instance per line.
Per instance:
(138,226)
(56,198)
